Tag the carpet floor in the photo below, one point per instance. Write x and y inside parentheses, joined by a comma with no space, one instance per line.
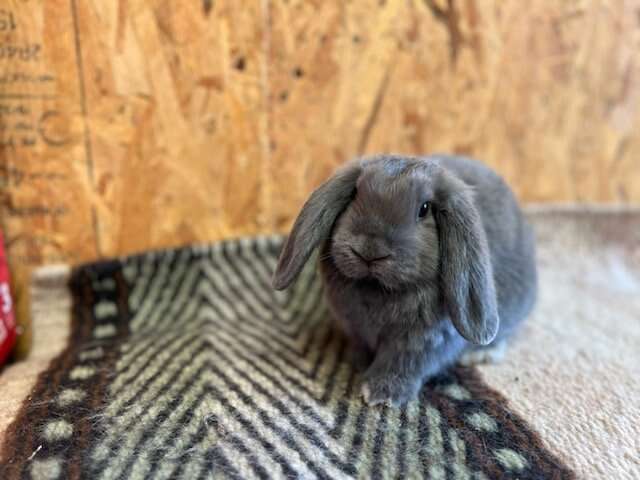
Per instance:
(185,364)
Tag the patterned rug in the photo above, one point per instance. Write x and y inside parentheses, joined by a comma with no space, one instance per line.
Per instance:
(186,364)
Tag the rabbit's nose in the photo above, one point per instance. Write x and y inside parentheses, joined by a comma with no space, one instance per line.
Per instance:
(370,257)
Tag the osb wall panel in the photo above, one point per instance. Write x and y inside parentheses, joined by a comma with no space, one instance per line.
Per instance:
(132,124)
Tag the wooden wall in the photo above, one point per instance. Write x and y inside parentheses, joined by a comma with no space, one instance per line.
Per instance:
(132,124)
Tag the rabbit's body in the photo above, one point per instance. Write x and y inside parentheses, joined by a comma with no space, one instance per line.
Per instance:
(422,260)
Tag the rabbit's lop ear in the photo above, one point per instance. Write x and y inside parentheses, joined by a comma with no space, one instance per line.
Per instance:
(465,264)
(314,223)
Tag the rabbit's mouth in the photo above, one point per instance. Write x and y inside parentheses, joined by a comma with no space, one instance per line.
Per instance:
(379,272)
(382,268)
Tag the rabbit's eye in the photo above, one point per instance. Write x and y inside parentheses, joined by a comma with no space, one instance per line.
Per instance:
(424,210)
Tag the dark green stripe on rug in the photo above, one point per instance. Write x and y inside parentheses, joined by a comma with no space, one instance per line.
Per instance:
(186,364)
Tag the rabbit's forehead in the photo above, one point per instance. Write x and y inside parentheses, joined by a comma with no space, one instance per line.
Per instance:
(400,188)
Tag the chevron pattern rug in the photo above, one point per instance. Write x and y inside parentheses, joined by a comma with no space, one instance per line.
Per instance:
(186,364)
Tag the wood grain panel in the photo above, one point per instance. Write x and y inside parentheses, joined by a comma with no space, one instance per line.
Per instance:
(131,124)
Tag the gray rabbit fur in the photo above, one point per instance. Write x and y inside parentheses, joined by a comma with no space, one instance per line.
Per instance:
(423,260)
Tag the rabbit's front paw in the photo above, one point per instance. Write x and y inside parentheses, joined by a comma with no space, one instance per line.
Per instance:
(389,389)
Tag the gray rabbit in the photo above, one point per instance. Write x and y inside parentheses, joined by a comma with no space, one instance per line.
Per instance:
(424,260)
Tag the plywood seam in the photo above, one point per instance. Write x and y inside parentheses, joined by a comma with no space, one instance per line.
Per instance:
(86,132)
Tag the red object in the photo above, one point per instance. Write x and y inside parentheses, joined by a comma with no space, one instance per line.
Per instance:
(7,317)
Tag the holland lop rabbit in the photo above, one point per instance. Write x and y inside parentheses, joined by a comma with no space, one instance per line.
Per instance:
(424,261)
